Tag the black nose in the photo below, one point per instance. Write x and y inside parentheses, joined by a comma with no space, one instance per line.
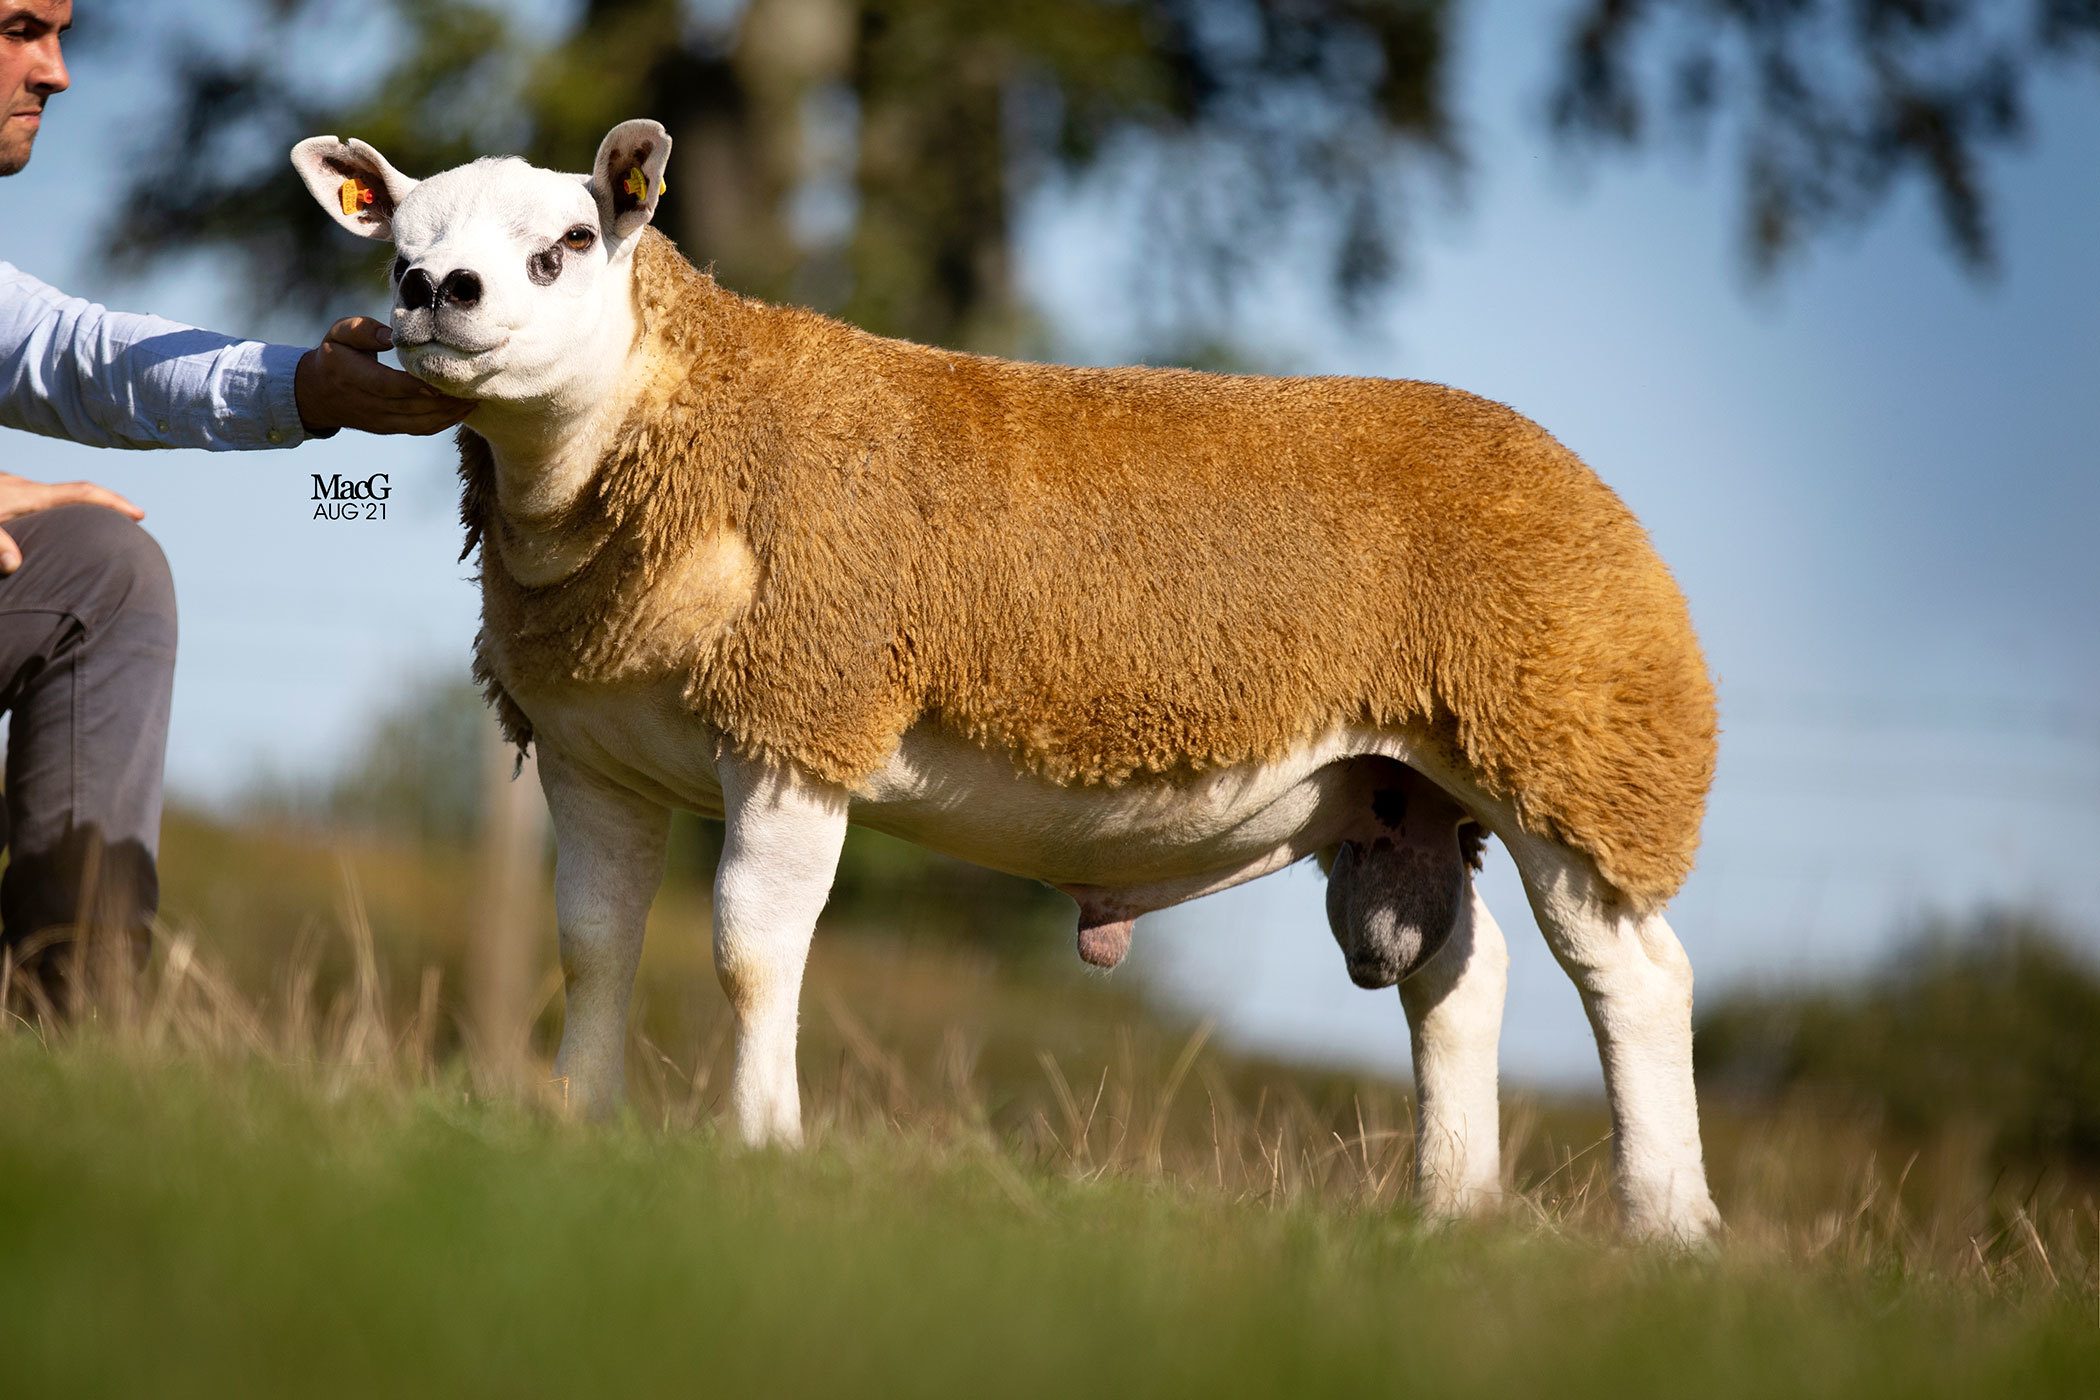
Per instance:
(461,288)
(417,291)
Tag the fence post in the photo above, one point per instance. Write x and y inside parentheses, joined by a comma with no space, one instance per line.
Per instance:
(510,928)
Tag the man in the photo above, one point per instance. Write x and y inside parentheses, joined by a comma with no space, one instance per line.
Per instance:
(87,609)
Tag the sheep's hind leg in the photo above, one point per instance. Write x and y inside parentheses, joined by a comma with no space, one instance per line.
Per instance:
(1454,1023)
(1636,985)
(779,855)
(609,859)
(1401,904)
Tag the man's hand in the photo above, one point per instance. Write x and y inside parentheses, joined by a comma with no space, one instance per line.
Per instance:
(19,496)
(341,384)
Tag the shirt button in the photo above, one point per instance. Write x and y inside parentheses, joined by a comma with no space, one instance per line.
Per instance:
(276,435)
(161,426)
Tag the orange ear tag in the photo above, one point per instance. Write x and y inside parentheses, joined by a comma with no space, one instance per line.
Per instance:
(356,194)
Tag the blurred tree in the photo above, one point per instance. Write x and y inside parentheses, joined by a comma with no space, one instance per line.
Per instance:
(866,156)
(861,155)
(212,176)
(1994,1025)
(415,775)
(1833,102)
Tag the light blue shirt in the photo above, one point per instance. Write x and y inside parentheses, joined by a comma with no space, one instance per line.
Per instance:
(72,369)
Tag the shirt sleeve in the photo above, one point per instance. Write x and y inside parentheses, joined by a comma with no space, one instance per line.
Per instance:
(72,369)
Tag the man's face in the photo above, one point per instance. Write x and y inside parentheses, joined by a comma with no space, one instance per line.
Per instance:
(30,71)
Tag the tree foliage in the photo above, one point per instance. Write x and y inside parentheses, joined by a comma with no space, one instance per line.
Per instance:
(1834,103)
(869,156)
(1992,1026)
(862,155)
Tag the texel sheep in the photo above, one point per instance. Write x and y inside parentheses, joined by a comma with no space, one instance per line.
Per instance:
(1140,634)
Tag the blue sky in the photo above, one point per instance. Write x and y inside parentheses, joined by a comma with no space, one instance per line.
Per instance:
(1876,480)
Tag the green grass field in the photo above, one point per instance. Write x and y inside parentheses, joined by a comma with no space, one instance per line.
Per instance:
(182,1228)
(1018,1184)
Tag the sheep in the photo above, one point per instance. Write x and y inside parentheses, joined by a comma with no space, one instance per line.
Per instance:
(1141,634)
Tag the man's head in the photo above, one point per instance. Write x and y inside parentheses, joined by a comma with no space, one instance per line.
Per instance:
(30,71)
(509,277)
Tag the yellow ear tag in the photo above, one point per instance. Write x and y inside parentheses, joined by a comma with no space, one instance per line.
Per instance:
(637,183)
(356,194)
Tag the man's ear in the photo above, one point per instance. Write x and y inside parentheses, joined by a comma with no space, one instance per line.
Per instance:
(628,177)
(353,183)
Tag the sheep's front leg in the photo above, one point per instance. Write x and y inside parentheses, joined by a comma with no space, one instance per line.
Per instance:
(1454,1018)
(779,854)
(608,861)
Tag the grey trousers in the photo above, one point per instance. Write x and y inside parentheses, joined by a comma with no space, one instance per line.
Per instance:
(87,663)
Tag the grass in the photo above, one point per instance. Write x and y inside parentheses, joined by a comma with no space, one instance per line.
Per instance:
(1016,1186)
(177,1228)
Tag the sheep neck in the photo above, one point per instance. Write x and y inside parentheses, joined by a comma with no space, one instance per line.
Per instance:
(547,451)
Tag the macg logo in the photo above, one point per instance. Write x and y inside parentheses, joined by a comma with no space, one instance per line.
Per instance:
(338,497)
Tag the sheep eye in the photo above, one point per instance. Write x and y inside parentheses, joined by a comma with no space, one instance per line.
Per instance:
(579,239)
(544,266)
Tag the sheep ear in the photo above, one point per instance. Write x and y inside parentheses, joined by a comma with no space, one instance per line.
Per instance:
(628,177)
(353,183)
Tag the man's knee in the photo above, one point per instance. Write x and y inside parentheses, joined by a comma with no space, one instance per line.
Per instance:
(134,562)
(121,567)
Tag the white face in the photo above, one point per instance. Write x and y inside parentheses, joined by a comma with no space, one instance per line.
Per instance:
(501,276)
(510,282)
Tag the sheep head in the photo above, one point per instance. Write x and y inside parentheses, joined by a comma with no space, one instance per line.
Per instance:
(507,277)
